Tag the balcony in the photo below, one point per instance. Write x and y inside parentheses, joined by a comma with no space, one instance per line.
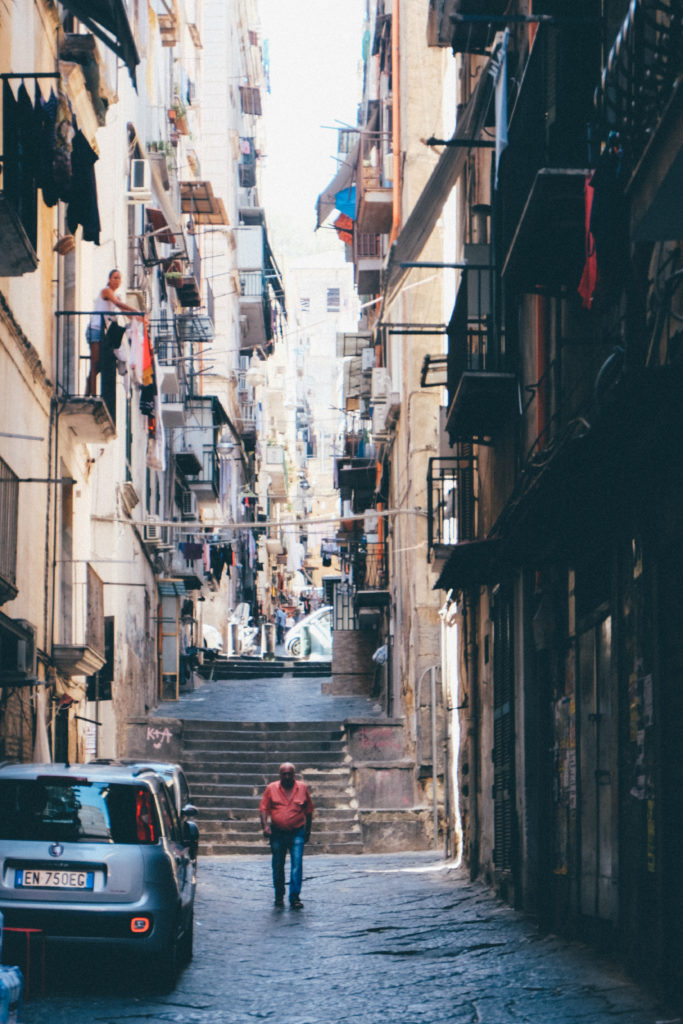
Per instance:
(92,417)
(640,95)
(445,27)
(80,651)
(205,484)
(482,392)
(275,466)
(368,261)
(9,517)
(451,505)
(371,579)
(374,211)
(254,309)
(541,219)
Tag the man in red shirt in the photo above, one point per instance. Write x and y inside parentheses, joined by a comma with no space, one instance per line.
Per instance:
(286,812)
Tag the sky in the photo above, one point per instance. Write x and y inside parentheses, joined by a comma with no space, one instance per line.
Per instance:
(315,80)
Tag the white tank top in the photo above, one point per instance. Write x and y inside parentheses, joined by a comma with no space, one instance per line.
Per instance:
(101,306)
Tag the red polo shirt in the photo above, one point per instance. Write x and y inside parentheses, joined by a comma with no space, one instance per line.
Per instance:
(288,809)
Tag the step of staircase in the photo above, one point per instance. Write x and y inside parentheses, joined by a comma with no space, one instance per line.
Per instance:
(263,668)
(228,765)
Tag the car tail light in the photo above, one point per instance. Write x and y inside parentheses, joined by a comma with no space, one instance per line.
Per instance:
(144,816)
(140,925)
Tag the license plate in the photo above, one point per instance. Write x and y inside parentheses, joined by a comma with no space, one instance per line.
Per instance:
(29,878)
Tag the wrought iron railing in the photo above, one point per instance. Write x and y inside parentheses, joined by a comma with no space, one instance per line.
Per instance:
(451,501)
(641,69)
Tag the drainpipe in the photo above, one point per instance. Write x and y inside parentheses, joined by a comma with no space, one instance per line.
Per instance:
(396,122)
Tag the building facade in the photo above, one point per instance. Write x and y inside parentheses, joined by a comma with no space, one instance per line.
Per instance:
(124,481)
(522,269)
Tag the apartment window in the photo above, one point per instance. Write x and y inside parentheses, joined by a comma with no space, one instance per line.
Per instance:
(9,519)
(333,300)
(306,305)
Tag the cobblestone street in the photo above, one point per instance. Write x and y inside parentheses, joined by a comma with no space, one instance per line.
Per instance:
(400,939)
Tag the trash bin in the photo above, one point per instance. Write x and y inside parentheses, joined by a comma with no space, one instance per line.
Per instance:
(268,640)
(11,989)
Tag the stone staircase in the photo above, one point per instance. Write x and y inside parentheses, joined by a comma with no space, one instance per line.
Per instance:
(228,765)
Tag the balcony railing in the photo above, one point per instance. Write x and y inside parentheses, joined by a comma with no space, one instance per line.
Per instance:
(88,398)
(370,566)
(451,502)
(541,212)
(481,387)
(81,623)
(638,79)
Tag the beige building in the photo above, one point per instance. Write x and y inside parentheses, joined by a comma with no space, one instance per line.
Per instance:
(123,498)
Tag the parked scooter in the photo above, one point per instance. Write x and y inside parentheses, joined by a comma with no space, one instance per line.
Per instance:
(243,634)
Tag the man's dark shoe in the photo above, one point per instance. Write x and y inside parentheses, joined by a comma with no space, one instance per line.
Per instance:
(296,903)
(279,901)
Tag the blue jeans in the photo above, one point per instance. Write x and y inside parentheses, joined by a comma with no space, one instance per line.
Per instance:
(280,844)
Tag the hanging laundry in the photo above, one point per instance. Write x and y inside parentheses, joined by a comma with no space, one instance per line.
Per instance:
(82,208)
(344,228)
(45,122)
(609,214)
(137,340)
(589,278)
(148,391)
(62,166)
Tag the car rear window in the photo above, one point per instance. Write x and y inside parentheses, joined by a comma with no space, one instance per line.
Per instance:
(77,811)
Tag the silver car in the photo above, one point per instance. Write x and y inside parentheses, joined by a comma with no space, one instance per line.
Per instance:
(311,636)
(96,853)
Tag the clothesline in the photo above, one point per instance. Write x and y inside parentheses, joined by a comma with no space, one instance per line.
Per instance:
(216,528)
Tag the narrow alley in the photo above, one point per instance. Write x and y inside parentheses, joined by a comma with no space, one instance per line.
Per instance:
(396,939)
(400,938)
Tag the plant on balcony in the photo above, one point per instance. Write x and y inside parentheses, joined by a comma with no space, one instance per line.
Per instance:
(177,115)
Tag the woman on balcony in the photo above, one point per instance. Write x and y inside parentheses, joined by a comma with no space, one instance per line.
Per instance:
(107,304)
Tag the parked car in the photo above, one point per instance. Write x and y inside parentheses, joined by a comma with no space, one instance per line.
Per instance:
(97,853)
(311,635)
(178,790)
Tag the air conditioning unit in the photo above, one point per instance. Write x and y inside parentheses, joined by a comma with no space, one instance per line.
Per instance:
(26,649)
(152,531)
(19,663)
(380,387)
(379,418)
(139,183)
(189,506)
(367,360)
(393,409)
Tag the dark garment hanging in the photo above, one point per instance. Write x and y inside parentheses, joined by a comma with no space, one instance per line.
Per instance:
(609,213)
(45,121)
(62,166)
(191,551)
(147,396)
(19,164)
(83,206)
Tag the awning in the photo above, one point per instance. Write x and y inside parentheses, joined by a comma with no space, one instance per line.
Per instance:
(107,19)
(474,563)
(159,225)
(427,210)
(201,204)
(344,179)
